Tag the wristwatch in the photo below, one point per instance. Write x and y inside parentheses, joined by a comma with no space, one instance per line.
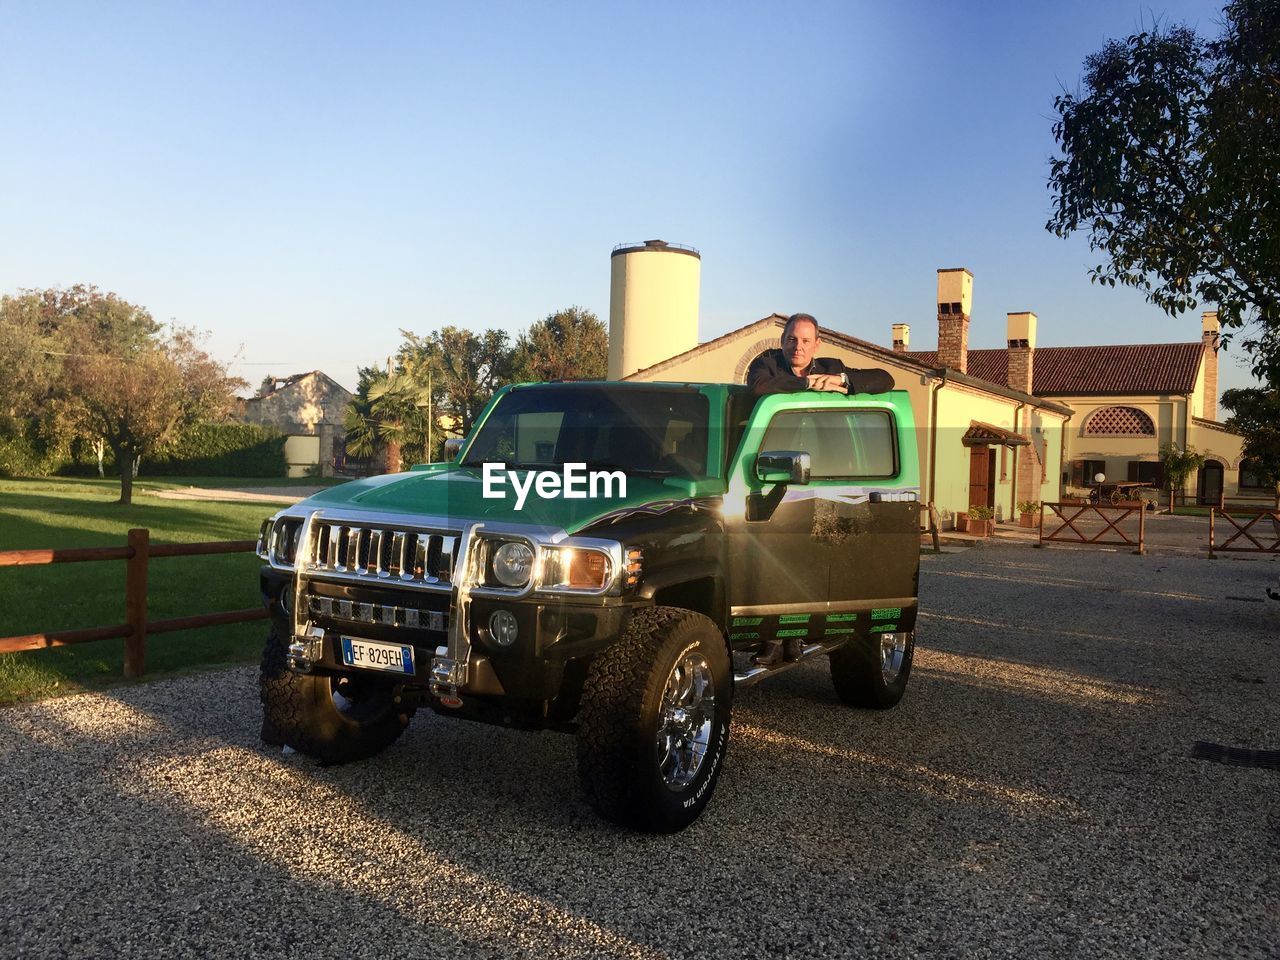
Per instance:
(844,378)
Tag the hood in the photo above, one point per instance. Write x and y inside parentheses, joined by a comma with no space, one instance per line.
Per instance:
(448,490)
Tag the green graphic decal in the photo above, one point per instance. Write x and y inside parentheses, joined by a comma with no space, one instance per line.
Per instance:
(747,621)
(885,628)
(792,633)
(841,630)
(886,613)
(794,618)
(841,617)
(749,635)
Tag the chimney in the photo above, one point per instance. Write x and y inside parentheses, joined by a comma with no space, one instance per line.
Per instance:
(955,298)
(1022,348)
(1209,327)
(901,337)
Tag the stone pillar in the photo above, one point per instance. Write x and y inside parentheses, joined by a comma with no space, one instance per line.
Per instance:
(326,448)
(955,299)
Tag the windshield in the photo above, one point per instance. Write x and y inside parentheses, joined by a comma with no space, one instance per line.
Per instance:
(645,432)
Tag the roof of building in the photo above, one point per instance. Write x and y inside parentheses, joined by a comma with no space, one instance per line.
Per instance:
(1215,425)
(1158,368)
(912,361)
(283,383)
(984,433)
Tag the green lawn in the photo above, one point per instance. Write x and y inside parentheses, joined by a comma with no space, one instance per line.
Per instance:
(77,512)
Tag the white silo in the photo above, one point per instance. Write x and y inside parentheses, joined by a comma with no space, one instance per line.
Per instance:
(653,304)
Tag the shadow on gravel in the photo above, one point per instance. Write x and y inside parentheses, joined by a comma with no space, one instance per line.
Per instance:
(1031,796)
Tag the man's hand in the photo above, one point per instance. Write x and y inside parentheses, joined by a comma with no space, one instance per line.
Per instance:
(827,382)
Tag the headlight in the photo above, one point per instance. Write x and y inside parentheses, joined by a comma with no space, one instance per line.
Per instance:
(512,564)
(264,538)
(576,568)
(278,540)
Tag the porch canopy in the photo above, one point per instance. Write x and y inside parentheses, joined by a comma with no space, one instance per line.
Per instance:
(985,434)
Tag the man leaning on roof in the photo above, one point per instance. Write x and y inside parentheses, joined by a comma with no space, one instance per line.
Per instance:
(794,367)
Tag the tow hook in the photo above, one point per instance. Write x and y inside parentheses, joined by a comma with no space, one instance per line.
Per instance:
(446,676)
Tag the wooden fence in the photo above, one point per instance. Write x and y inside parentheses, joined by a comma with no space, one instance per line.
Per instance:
(1067,515)
(134,630)
(1261,540)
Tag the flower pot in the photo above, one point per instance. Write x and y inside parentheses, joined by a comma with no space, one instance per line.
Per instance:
(980,528)
(962,522)
(1028,520)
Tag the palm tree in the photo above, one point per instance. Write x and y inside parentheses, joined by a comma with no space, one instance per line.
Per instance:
(396,413)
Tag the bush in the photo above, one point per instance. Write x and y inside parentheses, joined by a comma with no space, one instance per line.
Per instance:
(221,450)
(980,512)
(22,456)
(1028,506)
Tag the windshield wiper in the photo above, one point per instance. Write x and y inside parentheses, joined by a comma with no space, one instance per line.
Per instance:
(639,471)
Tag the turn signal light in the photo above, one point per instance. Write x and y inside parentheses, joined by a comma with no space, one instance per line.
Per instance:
(575,569)
(635,563)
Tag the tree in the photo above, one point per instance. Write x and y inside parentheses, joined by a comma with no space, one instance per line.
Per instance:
(38,330)
(1255,413)
(139,399)
(570,344)
(390,410)
(1171,160)
(1179,463)
(466,368)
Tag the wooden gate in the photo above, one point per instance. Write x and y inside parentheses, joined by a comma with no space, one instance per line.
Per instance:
(1078,517)
(1264,539)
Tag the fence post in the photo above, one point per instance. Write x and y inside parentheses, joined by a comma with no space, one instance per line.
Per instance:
(1211,556)
(1142,531)
(934,524)
(135,602)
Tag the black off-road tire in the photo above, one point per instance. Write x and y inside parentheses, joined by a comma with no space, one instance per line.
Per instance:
(858,673)
(301,711)
(618,756)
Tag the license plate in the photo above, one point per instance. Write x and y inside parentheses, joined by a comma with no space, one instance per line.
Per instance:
(371,655)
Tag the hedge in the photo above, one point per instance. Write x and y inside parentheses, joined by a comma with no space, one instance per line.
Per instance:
(204,450)
(221,450)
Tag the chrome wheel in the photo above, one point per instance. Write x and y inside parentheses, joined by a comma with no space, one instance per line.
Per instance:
(893,650)
(684,726)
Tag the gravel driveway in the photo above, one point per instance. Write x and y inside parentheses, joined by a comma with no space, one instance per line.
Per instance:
(1031,797)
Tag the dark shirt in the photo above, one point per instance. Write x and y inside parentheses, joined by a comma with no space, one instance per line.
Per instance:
(771,373)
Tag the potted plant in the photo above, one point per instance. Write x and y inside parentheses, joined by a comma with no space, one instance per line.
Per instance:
(981,520)
(1027,513)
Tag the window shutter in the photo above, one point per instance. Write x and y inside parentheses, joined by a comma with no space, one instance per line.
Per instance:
(1134,467)
(1077,473)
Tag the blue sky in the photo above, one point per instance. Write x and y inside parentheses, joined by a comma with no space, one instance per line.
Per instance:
(304,180)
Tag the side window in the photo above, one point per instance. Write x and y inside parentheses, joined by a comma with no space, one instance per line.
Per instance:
(842,444)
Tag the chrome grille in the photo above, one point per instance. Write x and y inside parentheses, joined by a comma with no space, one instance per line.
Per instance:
(356,551)
(386,614)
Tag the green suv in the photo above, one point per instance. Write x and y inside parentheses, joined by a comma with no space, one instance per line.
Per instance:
(602,559)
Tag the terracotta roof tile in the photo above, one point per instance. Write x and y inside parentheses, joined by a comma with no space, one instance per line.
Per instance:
(1079,371)
(981,433)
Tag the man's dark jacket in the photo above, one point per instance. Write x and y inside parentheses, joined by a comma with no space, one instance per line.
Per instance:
(770,373)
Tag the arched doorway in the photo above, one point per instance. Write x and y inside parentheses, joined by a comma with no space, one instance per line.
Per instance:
(1209,483)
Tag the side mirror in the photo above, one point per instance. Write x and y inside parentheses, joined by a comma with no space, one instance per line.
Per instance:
(452,447)
(783,466)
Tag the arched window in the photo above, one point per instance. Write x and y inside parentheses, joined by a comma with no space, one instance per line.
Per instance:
(1119,422)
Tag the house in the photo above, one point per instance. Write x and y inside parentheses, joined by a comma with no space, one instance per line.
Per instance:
(999,427)
(1128,401)
(305,405)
